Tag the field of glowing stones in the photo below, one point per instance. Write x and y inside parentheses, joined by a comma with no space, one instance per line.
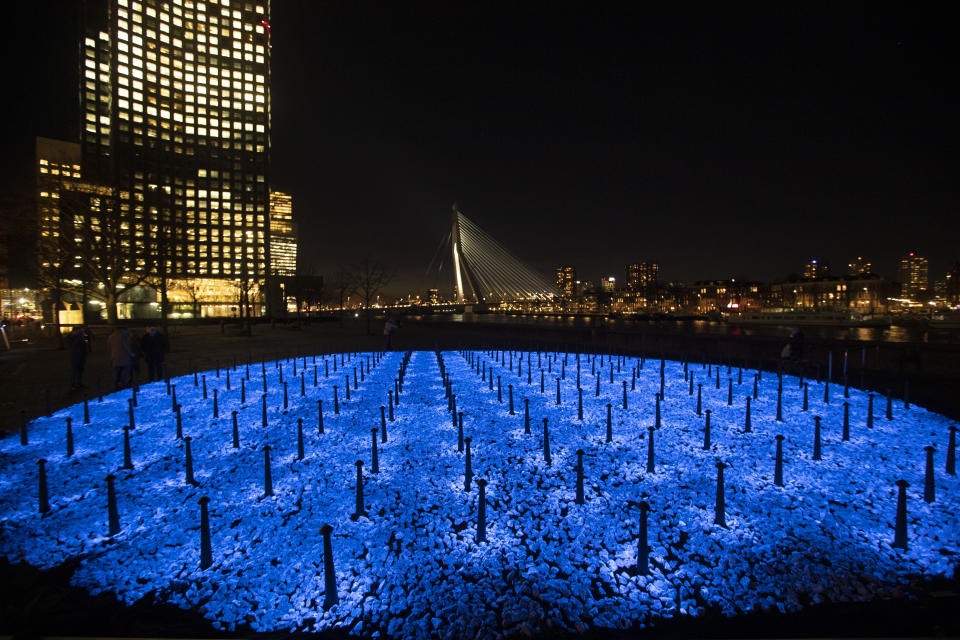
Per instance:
(479,493)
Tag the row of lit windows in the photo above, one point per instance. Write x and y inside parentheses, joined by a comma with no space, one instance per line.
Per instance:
(200,7)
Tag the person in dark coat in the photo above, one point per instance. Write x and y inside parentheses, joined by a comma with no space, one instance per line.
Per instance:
(77,346)
(154,346)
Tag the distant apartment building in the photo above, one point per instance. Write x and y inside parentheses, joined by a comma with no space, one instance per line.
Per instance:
(641,275)
(859,267)
(816,269)
(567,280)
(913,276)
(863,293)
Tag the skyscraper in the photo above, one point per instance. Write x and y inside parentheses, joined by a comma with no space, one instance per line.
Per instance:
(283,235)
(913,276)
(175,107)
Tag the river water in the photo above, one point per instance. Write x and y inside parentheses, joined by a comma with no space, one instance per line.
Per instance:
(893,333)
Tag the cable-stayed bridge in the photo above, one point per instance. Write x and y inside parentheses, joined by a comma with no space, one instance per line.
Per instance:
(487,273)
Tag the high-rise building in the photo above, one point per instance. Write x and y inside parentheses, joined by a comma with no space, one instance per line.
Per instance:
(641,275)
(608,284)
(175,109)
(566,280)
(283,235)
(859,267)
(913,276)
(816,269)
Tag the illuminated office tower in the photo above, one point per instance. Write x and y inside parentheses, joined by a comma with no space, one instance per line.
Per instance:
(283,235)
(175,110)
(913,276)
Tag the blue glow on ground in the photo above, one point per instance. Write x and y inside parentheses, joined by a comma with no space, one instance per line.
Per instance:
(412,568)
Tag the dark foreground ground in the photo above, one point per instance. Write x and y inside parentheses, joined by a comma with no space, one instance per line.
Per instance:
(42,603)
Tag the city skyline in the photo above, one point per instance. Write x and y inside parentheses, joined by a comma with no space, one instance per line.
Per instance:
(719,145)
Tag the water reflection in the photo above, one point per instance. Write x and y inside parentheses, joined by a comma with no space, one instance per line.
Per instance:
(711,327)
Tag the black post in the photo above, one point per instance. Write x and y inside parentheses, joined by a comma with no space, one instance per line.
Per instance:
(267,476)
(650,461)
(729,392)
(928,484)
(900,532)
(130,417)
(206,550)
(330,596)
(127,461)
(558,391)
(870,411)
(44,498)
(624,396)
(510,391)
(643,549)
(383,423)
(482,511)
(778,469)
(699,399)
(179,423)
(216,404)
(204,386)
(468,467)
(526,415)
(546,442)
(359,499)
(720,517)
(706,432)
(299,438)
(319,416)
(336,401)
(816,438)
(390,404)
(579,499)
(746,420)
(263,410)
(188,463)
(375,468)
(609,424)
(657,398)
(756,390)
(806,406)
(499,390)
(579,404)
(86,409)
(889,405)
(112,516)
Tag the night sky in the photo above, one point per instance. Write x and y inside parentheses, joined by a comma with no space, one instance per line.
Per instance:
(718,140)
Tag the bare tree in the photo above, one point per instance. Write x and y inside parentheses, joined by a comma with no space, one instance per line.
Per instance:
(371,276)
(344,284)
(99,243)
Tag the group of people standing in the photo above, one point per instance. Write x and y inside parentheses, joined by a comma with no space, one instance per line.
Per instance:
(127,349)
